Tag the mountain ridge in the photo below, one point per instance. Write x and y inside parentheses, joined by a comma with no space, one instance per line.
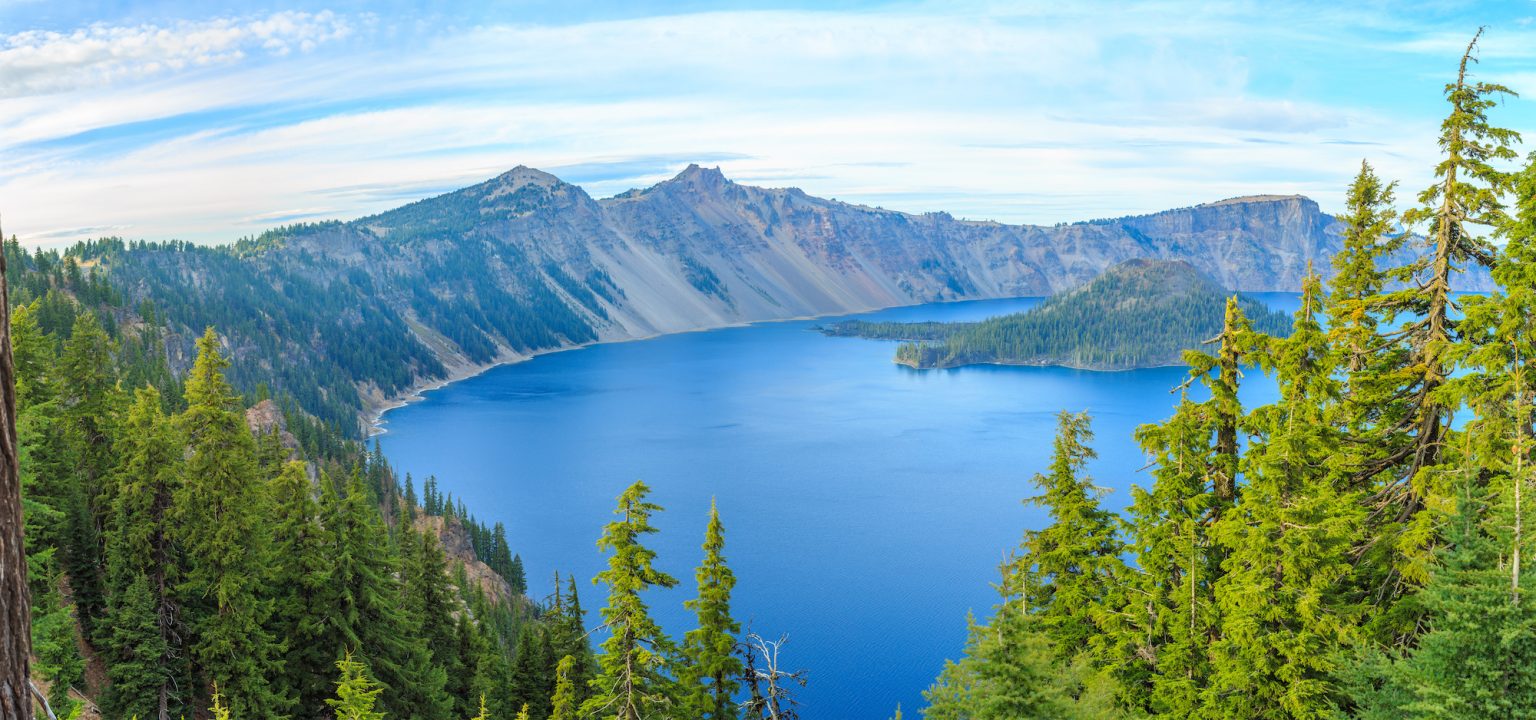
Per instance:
(525,263)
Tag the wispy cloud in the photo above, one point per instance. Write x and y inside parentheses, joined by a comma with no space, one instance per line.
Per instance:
(209,129)
(39,62)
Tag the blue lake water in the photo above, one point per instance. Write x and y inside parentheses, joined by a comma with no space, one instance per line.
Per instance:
(866,505)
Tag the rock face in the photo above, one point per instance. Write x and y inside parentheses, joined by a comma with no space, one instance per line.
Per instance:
(457,547)
(264,418)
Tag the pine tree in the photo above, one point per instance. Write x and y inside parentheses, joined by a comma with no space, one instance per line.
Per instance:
(356,694)
(632,682)
(564,705)
(710,664)
(1467,193)
(1159,642)
(1287,611)
(303,579)
(1478,659)
(89,402)
(429,597)
(141,674)
(143,566)
(1077,556)
(220,511)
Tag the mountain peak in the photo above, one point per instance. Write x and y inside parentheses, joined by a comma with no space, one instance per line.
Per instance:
(699,176)
(523,175)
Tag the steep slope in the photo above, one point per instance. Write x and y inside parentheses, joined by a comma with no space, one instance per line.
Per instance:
(346,317)
(1140,313)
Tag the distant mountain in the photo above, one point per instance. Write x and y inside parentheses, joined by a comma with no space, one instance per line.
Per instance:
(1140,313)
(351,316)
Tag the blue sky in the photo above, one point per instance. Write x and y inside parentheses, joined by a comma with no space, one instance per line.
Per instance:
(208,121)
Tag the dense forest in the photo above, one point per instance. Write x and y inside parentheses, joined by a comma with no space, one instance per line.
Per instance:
(1140,313)
(1356,548)
(187,558)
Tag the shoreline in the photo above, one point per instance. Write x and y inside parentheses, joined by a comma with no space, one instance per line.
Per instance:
(373,413)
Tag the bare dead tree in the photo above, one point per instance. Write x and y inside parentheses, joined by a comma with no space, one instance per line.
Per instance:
(769,687)
(15,600)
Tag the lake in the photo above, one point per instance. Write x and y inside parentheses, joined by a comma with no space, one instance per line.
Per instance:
(867,505)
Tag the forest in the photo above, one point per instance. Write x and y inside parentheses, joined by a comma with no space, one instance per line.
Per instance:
(1140,313)
(1354,549)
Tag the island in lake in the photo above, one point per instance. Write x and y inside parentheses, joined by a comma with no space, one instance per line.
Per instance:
(1140,313)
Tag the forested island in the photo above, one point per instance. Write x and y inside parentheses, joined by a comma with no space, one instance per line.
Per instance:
(1139,313)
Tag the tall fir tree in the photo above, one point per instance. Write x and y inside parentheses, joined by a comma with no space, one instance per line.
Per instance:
(1076,557)
(710,666)
(633,681)
(143,567)
(303,579)
(1286,600)
(1467,193)
(220,512)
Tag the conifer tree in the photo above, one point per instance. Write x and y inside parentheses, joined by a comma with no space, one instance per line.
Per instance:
(143,566)
(1467,193)
(1287,610)
(368,609)
(220,511)
(1159,642)
(429,598)
(141,674)
(303,580)
(710,664)
(1478,659)
(1077,556)
(564,705)
(357,695)
(632,682)
(89,402)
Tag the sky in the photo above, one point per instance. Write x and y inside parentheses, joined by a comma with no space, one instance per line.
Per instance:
(209,121)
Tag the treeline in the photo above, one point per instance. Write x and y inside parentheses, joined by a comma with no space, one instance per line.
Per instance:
(1345,551)
(1140,313)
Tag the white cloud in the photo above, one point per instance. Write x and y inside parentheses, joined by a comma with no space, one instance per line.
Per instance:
(1033,115)
(39,62)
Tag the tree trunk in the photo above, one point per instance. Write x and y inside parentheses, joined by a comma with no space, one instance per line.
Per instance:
(15,602)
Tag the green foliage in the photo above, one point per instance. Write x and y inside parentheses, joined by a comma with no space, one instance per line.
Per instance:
(633,680)
(710,667)
(356,694)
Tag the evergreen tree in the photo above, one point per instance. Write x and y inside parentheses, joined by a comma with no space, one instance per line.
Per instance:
(1077,556)
(632,682)
(303,580)
(220,511)
(356,694)
(143,567)
(710,664)
(1478,659)
(1467,193)
(1287,610)
(367,604)
(565,703)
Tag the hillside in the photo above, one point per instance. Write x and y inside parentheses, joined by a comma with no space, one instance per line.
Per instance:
(1140,313)
(346,318)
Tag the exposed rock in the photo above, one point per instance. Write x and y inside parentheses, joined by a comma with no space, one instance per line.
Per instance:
(457,547)
(264,418)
